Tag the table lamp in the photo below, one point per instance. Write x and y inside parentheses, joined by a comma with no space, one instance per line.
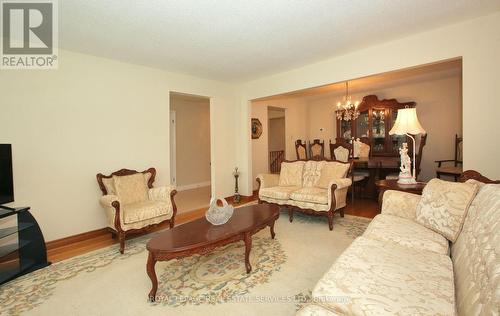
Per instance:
(407,123)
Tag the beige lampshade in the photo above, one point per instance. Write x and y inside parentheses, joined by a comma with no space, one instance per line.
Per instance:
(407,123)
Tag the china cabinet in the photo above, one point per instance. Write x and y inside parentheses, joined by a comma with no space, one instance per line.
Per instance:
(373,124)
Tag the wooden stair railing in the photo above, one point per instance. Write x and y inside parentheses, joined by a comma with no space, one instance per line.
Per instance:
(275,159)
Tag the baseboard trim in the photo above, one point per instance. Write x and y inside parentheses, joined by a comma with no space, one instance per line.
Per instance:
(70,240)
(62,242)
(194,186)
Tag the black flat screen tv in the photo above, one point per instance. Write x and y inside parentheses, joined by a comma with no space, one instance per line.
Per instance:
(6,177)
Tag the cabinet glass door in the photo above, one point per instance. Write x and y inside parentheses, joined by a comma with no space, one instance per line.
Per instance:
(362,125)
(396,140)
(346,129)
(378,130)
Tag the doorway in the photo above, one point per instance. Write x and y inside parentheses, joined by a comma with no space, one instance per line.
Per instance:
(276,138)
(190,163)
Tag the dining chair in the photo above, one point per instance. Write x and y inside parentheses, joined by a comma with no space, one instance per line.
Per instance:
(317,149)
(300,150)
(456,169)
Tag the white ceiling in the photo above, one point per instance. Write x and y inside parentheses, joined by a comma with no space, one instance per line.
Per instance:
(237,40)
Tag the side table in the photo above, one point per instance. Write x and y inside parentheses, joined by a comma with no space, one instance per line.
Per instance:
(384,185)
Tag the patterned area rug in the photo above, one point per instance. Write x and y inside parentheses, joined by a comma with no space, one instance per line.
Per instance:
(104,282)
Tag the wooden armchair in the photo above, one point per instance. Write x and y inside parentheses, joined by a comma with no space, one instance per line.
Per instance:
(456,169)
(131,203)
(317,150)
(301,150)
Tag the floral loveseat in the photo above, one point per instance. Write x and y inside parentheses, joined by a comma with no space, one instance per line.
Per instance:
(402,266)
(309,186)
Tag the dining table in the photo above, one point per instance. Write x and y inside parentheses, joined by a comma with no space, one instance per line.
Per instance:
(378,167)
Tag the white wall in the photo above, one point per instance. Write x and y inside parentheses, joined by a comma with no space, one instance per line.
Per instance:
(97,115)
(476,41)
(295,128)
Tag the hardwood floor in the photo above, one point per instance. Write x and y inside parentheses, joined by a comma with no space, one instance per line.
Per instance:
(58,252)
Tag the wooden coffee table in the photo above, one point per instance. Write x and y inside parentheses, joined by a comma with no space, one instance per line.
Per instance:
(201,237)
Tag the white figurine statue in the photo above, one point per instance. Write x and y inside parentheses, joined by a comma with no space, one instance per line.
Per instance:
(405,176)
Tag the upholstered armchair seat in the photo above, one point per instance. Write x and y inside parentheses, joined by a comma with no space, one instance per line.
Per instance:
(134,205)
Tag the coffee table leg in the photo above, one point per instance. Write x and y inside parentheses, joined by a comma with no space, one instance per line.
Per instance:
(248,247)
(152,275)
(272,230)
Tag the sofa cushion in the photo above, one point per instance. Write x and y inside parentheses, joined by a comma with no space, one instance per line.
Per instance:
(311,195)
(444,205)
(279,192)
(315,309)
(476,256)
(406,232)
(145,210)
(332,170)
(311,173)
(382,278)
(131,188)
(291,173)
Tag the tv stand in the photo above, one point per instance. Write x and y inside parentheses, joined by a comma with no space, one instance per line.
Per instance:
(23,254)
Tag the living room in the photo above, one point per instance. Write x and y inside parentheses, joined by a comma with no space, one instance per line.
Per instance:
(106,107)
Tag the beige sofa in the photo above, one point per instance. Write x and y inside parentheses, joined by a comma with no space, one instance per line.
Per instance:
(399,267)
(309,186)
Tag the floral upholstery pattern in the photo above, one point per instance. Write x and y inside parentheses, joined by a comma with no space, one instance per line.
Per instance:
(160,193)
(379,278)
(341,153)
(331,171)
(400,204)
(364,150)
(406,232)
(131,188)
(301,152)
(145,210)
(316,310)
(291,173)
(444,205)
(476,256)
(311,195)
(268,180)
(279,192)
(312,172)
(109,184)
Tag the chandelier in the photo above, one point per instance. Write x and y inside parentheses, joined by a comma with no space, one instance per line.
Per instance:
(347,110)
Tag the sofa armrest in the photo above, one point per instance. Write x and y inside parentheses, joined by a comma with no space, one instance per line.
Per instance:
(267,180)
(162,193)
(341,183)
(337,192)
(107,200)
(111,204)
(400,204)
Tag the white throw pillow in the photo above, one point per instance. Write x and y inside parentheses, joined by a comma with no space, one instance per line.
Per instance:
(444,205)
(291,174)
(132,188)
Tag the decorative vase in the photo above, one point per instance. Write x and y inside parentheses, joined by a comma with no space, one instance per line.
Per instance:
(219,215)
